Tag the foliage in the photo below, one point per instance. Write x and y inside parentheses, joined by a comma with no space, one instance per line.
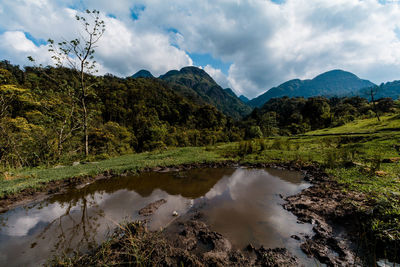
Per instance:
(288,116)
(126,115)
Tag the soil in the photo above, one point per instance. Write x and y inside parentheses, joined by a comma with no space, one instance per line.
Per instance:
(333,214)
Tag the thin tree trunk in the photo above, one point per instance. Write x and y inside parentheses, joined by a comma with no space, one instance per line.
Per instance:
(85,127)
(373,104)
(85,119)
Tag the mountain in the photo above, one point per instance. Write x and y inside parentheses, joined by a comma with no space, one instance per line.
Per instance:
(143,74)
(331,83)
(229,91)
(196,85)
(244,99)
(389,89)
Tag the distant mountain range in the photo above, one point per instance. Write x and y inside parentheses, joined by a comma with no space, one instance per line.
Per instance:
(196,85)
(389,89)
(329,84)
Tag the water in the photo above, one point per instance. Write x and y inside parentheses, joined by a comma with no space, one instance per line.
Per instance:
(242,204)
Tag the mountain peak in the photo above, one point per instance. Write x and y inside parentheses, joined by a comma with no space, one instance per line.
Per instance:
(143,74)
(195,83)
(193,70)
(331,83)
(336,74)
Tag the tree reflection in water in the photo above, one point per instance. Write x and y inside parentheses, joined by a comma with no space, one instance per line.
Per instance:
(75,229)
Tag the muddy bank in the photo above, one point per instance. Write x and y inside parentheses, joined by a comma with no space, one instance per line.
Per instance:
(334,214)
(186,242)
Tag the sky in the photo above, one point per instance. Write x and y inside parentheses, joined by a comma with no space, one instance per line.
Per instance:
(249,46)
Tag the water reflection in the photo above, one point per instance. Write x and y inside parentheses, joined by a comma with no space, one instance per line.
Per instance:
(242,204)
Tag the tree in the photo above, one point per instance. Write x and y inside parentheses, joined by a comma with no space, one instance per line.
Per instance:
(79,55)
(372,92)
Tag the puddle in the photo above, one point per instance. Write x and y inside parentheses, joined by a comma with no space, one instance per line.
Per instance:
(242,204)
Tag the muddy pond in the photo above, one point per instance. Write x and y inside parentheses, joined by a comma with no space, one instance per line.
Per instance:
(245,205)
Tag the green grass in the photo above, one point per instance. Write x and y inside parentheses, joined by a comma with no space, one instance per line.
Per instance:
(387,123)
(351,159)
(37,177)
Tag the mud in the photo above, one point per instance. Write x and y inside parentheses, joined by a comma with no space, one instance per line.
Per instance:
(333,215)
(190,243)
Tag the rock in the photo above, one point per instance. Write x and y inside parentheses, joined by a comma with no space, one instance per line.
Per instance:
(174,213)
(385,263)
(76,163)
(295,237)
(250,247)
(152,207)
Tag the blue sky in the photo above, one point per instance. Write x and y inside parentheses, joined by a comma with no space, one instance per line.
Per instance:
(206,59)
(249,46)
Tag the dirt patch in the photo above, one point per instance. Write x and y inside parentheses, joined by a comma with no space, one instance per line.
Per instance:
(189,243)
(152,207)
(332,213)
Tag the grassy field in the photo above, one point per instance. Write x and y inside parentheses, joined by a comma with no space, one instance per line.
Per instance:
(371,125)
(367,163)
(335,149)
(14,181)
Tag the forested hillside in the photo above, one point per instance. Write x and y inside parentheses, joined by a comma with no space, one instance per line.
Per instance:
(41,117)
(333,83)
(196,84)
(286,116)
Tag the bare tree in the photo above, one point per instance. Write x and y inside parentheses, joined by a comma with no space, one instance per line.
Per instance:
(372,92)
(78,54)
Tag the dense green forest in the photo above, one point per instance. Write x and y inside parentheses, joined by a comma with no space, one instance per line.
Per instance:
(41,117)
(287,116)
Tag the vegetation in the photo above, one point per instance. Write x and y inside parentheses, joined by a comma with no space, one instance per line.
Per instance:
(14,181)
(41,122)
(288,116)
(197,85)
(51,117)
(331,83)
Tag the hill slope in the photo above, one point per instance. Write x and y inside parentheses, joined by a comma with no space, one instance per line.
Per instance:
(331,83)
(197,85)
(142,74)
(389,89)
(244,99)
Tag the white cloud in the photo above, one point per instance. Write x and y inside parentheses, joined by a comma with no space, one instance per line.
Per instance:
(123,50)
(15,46)
(267,43)
(218,76)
